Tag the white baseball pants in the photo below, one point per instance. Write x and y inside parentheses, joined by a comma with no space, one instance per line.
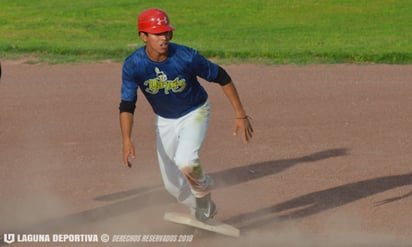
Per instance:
(178,145)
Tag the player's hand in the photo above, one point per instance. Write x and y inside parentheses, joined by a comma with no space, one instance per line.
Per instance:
(128,152)
(243,126)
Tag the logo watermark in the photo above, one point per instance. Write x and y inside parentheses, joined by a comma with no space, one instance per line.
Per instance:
(10,238)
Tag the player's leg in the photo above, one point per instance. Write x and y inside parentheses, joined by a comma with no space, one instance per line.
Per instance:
(173,179)
(192,132)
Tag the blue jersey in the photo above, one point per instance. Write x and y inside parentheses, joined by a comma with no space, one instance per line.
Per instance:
(171,86)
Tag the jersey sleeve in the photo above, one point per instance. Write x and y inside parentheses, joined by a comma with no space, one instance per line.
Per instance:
(129,83)
(204,68)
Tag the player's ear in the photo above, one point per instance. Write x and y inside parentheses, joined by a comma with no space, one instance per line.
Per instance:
(143,36)
(170,35)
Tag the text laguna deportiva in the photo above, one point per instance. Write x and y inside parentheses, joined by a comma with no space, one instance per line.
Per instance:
(56,238)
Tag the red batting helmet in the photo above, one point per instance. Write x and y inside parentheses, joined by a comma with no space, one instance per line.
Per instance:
(154,21)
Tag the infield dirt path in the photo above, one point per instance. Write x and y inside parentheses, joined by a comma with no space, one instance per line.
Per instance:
(329,165)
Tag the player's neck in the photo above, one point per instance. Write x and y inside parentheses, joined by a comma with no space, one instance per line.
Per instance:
(155,56)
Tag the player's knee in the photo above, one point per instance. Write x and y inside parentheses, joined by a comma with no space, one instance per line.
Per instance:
(185,162)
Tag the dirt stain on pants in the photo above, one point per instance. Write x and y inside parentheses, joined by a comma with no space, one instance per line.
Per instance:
(198,181)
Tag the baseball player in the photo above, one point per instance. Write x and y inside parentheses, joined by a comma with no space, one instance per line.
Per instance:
(167,74)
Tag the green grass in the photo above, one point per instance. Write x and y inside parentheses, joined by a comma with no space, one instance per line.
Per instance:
(288,31)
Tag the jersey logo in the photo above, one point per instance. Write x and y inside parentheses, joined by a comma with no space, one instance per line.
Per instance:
(161,82)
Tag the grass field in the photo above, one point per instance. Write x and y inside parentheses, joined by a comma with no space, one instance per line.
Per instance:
(290,31)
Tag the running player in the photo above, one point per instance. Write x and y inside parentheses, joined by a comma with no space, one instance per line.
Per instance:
(167,74)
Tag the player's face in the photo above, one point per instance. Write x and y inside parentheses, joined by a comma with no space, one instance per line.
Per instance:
(157,45)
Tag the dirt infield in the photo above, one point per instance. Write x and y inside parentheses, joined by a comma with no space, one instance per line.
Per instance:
(329,165)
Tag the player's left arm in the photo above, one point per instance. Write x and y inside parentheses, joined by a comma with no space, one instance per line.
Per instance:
(242,121)
(215,73)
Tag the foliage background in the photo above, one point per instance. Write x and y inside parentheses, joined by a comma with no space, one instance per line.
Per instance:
(261,31)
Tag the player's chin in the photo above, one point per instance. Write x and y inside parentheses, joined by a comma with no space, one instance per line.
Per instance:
(163,48)
(163,51)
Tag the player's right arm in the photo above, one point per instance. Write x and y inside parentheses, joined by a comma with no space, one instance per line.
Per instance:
(127,107)
(126,125)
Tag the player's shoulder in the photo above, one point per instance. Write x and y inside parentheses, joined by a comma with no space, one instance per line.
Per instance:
(180,48)
(132,63)
(136,56)
(182,52)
